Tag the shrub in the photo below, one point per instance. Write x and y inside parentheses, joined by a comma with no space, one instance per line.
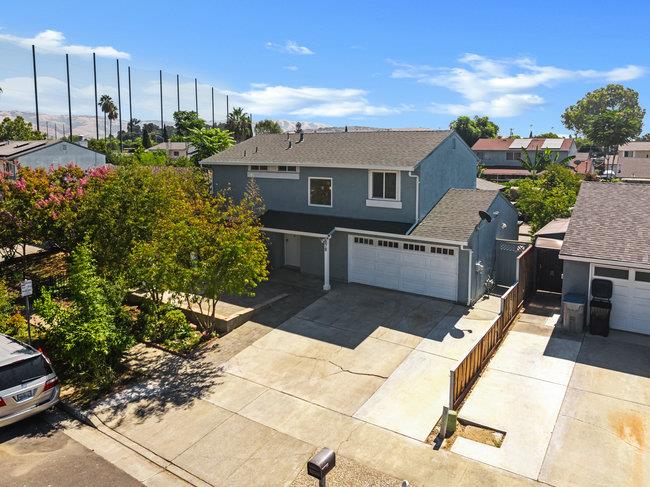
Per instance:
(15,326)
(84,337)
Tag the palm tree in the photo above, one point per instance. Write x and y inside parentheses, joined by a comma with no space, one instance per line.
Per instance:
(112,115)
(541,159)
(105,103)
(239,123)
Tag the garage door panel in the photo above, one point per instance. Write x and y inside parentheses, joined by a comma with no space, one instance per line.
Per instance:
(416,271)
(630,305)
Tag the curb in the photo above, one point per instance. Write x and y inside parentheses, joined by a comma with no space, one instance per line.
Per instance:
(76,413)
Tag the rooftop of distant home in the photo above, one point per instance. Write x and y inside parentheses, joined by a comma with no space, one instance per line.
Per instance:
(528,144)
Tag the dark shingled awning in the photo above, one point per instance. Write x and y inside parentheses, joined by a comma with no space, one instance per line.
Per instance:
(322,225)
(456,215)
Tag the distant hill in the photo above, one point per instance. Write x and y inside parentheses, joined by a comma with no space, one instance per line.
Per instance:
(84,125)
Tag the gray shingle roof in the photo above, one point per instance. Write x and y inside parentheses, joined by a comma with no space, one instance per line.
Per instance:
(455,215)
(323,224)
(610,221)
(14,148)
(383,149)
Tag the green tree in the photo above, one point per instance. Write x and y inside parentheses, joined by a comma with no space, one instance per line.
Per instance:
(146,140)
(547,135)
(268,127)
(239,124)
(541,159)
(112,115)
(550,196)
(185,122)
(105,105)
(207,142)
(84,338)
(18,129)
(644,138)
(609,117)
(472,129)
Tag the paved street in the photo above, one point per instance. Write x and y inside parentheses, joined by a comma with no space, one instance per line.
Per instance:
(36,453)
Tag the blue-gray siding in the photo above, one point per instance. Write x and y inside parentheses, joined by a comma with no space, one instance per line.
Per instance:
(451,165)
(62,154)
(483,242)
(349,192)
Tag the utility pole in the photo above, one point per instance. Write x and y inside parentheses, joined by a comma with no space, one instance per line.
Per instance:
(96,102)
(212,91)
(196,97)
(227,109)
(130,107)
(38,124)
(178,93)
(67,69)
(119,106)
(162,123)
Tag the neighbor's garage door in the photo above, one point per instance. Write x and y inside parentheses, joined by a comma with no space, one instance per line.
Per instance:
(405,266)
(630,298)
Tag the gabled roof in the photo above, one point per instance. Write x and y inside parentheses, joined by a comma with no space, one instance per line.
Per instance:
(631,146)
(456,214)
(171,146)
(555,227)
(14,148)
(386,149)
(634,167)
(488,185)
(610,221)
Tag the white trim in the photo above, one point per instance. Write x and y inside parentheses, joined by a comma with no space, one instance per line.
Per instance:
(309,203)
(606,262)
(293,232)
(470,267)
(398,185)
(384,203)
(399,236)
(326,264)
(320,165)
(273,175)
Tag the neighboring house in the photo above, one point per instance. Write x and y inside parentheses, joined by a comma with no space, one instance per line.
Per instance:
(635,150)
(633,169)
(608,237)
(174,150)
(393,209)
(548,243)
(45,153)
(484,184)
(501,157)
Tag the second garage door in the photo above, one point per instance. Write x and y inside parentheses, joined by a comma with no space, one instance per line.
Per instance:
(412,267)
(630,298)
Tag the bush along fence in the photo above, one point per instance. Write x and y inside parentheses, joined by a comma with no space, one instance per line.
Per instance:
(465,373)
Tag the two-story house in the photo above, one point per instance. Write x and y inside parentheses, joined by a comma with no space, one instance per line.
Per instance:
(393,209)
(174,150)
(502,157)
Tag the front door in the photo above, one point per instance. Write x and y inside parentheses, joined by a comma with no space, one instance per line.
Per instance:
(292,250)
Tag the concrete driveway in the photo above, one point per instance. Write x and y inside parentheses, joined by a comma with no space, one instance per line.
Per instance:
(575,409)
(361,370)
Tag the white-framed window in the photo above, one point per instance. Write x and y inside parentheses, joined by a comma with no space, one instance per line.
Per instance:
(628,153)
(273,172)
(384,185)
(388,243)
(319,192)
(414,247)
(364,241)
(176,153)
(442,250)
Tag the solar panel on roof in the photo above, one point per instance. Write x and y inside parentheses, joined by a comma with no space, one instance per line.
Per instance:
(552,143)
(520,143)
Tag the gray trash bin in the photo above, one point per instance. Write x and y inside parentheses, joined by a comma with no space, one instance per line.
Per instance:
(573,312)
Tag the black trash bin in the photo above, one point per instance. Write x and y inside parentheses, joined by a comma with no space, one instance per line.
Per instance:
(600,307)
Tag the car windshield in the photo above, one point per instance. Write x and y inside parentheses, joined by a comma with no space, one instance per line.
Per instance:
(13,375)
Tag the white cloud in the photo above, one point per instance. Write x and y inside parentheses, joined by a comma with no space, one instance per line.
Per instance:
(289,47)
(309,101)
(502,87)
(53,42)
(291,67)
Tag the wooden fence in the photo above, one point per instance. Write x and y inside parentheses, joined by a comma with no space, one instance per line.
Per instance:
(463,376)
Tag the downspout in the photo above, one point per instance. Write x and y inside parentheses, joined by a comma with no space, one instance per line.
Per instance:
(470,259)
(417,201)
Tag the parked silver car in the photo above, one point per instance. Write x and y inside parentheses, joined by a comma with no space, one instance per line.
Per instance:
(28,384)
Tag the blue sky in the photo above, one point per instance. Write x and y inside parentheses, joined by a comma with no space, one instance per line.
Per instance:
(384,64)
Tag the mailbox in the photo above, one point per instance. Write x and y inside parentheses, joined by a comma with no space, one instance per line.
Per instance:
(321,463)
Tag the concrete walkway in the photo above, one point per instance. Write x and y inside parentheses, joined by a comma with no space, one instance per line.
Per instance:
(575,408)
(355,371)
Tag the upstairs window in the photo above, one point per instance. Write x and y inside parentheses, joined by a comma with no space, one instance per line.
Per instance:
(320,191)
(384,185)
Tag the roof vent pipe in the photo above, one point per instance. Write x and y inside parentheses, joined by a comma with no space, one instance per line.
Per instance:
(244,152)
(346,128)
(302,137)
(289,147)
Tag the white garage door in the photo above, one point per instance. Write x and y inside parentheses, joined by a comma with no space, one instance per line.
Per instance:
(630,298)
(405,266)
